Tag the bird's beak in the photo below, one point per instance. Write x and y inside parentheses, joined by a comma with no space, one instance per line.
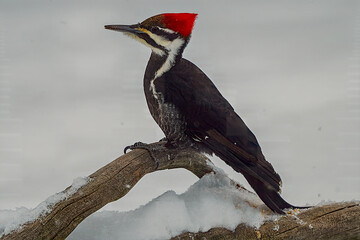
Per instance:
(124,28)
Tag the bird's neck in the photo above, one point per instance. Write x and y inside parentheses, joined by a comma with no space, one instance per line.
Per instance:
(161,63)
(157,66)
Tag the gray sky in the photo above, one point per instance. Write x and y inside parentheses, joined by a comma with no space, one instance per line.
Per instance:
(71,92)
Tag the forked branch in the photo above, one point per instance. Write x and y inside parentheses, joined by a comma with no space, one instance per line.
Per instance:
(113,181)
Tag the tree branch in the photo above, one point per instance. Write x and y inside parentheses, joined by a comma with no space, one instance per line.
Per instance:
(329,222)
(115,180)
(108,184)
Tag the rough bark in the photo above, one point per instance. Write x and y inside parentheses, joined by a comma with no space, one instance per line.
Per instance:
(113,181)
(329,222)
(108,184)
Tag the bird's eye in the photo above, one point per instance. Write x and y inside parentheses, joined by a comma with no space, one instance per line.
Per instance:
(154,29)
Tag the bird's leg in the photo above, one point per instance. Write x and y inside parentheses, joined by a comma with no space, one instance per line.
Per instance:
(164,150)
(168,143)
(151,148)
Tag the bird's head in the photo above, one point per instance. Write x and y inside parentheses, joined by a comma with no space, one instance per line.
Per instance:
(165,34)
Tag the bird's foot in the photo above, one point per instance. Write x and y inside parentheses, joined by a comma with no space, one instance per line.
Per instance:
(168,144)
(151,148)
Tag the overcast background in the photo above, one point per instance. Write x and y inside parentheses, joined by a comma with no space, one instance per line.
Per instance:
(71,94)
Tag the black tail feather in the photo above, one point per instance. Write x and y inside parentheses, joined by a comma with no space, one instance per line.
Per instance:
(271,198)
(265,183)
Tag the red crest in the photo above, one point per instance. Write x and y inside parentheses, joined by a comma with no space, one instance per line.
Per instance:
(182,23)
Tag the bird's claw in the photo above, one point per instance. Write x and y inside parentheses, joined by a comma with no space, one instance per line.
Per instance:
(148,147)
(136,145)
(127,148)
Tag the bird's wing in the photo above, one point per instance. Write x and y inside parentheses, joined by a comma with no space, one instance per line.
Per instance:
(212,121)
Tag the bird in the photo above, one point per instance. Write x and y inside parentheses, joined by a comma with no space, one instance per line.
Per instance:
(192,112)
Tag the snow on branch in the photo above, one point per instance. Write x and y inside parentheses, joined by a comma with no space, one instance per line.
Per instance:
(60,214)
(326,222)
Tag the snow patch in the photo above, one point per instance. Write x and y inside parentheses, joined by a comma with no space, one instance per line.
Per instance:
(276,227)
(11,220)
(213,201)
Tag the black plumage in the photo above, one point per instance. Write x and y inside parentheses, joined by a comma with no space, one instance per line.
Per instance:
(192,112)
(210,123)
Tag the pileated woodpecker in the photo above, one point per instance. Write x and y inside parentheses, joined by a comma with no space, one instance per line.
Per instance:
(191,111)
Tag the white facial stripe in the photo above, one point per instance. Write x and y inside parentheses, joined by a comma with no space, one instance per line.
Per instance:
(173,49)
(166,30)
(154,49)
(160,40)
